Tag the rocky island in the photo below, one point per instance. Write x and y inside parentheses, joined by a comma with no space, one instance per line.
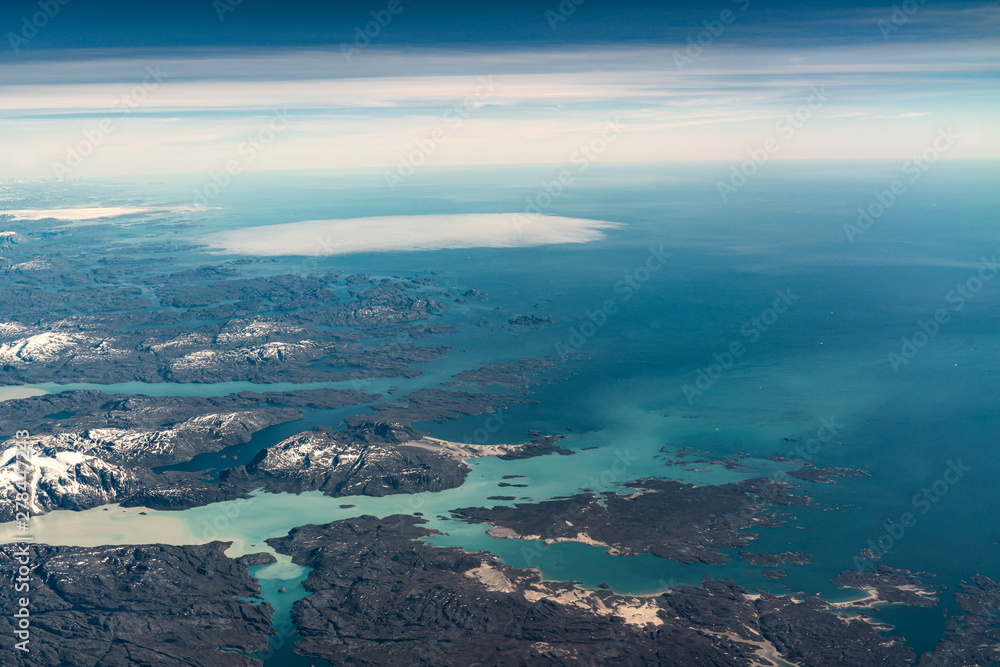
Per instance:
(663,517)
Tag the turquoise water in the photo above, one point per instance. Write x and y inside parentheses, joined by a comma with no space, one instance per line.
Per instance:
(825,358)
(273,578)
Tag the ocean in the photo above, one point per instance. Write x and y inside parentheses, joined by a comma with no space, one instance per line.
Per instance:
(780,323)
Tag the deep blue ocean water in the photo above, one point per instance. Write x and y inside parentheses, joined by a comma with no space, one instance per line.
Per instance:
(824,361)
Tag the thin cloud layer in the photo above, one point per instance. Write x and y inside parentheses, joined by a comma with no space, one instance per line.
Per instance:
(521,104)
(315,238)
(75,214)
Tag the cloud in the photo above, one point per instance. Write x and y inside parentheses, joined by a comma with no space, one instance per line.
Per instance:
(547,102)
(316,81)
(75,214)
(90,213)
(315,238)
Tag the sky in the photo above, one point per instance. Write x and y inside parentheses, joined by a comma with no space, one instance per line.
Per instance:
(94,88)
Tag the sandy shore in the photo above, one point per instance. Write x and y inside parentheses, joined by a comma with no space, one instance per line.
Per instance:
(460,450)
(871,597)
(634,610)
(765,651)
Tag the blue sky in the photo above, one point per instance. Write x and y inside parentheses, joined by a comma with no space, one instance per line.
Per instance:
(190,86)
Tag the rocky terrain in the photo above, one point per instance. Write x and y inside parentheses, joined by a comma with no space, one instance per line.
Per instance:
(93,449)
(98,466)
(540,445)
(440,405)
(371,458)
(666,518)
(507,374)
(974,637)
(824,475)
(366,458)
(105,310)
(774,560)
(136,605)
(70,411)
(886,584)
(177,442)
(381,596)
(112,306)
